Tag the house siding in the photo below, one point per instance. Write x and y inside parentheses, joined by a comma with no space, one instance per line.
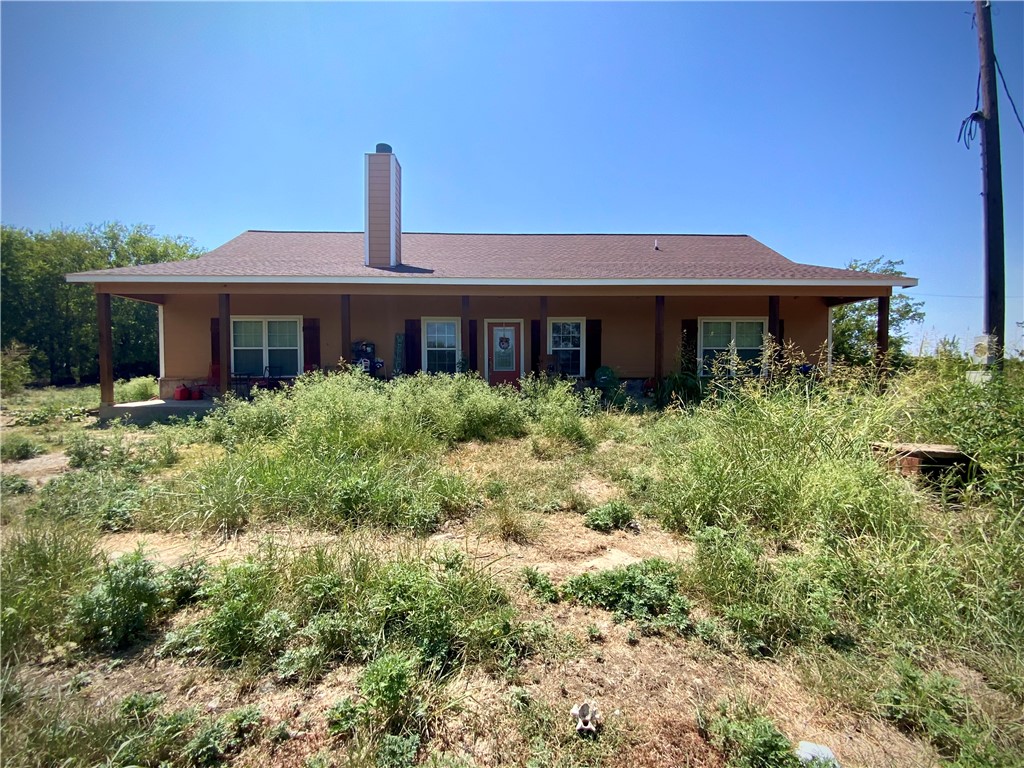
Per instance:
(627,322)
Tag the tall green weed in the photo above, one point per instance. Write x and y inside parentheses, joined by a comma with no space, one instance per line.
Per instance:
(304,613)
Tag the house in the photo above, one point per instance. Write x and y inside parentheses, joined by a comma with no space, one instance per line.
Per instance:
(280,303)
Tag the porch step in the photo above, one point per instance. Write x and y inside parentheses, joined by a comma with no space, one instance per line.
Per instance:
(148,411)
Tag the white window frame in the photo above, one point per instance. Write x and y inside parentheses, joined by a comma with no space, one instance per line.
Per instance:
(423,340)
(583,341)
(732,336)
(266,349)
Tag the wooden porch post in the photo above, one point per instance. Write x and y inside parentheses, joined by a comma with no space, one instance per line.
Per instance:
(106,349)
(346,327)
(773,320)
(882,337)
(542,354)
(224,311)
(464,316)
(659,337)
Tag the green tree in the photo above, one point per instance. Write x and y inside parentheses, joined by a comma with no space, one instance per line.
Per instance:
(58,319)
(855,326)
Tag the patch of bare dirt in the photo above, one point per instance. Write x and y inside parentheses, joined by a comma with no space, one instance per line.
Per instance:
(170,549)
(39,470)
(658,684)
(567,547)
(597,490)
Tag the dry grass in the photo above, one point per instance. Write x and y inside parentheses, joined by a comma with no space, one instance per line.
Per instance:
(527,497)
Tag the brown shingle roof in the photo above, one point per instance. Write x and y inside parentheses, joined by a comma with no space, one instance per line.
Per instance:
(498,257)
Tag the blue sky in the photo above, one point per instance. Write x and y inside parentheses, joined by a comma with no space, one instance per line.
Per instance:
(827,131)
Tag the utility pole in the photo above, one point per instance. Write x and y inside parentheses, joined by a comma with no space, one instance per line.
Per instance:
(992,184)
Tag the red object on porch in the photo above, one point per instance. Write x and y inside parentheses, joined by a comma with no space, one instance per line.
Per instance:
(181,392)
(197,393)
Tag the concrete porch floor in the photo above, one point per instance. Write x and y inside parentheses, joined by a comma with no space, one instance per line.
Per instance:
(147,411)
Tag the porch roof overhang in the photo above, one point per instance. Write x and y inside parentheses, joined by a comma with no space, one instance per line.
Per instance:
(428,284)
(832,294)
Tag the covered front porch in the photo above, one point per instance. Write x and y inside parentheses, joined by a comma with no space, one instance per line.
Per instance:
(502,333)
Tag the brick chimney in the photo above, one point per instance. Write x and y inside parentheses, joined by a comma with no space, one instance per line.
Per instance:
(383,234)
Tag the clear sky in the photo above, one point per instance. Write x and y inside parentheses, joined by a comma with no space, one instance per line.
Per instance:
(827,131)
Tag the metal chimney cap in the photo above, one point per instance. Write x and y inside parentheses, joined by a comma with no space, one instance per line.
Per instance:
(384,149)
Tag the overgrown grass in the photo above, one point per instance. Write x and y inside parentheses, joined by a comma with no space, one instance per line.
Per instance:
(56,399)
(42,731)
(346,450)
(805,543)
(59,590)
(101,499)
(805,537)
(935,707)
(44,567)
(303,613)
(15,446)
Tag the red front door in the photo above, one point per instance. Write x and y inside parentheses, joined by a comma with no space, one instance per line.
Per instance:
(504,351)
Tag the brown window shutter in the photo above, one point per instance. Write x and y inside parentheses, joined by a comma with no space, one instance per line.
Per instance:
(535,346)
(311,342)
(214,341)
(472,356)
(412,346)
(593,347)
(688,349)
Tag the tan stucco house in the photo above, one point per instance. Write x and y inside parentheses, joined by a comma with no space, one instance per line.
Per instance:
(500,304)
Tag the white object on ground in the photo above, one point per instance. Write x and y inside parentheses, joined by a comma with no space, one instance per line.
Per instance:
(809,752)
(588,717)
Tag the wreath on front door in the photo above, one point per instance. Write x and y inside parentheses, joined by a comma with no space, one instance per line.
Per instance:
(504,342)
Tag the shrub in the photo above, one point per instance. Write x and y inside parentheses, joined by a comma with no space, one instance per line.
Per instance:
(15,371)
(183,583)
(391,687)
(615,515)
(15,485)
(344,717)
(135,390)
(118,609)
(540,585)
(112,452)
(647,592)
(398,751)
(746,738)
(18,447)
(139,706)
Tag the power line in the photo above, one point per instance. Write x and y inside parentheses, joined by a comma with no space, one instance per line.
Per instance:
(1007,90)
(954,296)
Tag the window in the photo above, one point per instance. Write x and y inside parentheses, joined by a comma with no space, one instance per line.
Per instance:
(739,340)
(567,344)
(266,345)
(442,344)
